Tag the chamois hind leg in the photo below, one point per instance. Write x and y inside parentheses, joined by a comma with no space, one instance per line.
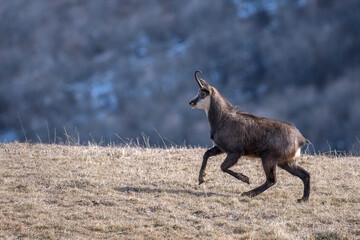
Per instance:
(302,174)
(230,160)
(209,153)
(270,172)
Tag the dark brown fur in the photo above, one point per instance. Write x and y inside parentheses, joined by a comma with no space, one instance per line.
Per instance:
(238,133)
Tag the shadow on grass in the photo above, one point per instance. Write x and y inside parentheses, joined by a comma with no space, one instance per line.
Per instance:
(169,191)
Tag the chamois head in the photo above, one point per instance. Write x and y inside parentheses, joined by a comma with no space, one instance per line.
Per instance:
(202,99)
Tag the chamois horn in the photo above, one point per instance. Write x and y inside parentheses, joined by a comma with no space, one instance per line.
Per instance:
(197,79)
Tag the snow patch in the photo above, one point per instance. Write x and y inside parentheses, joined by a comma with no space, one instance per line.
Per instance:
(177,47)
(248,8)
(100,89)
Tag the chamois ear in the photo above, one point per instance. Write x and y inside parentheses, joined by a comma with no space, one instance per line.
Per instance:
(205,85)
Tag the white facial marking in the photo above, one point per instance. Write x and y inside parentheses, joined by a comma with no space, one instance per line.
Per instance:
(204,104)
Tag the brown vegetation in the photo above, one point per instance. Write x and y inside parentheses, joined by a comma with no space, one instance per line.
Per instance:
(82,192)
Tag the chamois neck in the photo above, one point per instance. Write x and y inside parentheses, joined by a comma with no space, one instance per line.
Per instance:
(219,110)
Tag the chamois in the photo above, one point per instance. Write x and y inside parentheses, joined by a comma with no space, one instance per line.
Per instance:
(238,134)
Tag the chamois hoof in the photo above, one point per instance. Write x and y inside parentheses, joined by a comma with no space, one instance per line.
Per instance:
(304,199)
(244,178)
(248,194)
(201,180)
(202,177)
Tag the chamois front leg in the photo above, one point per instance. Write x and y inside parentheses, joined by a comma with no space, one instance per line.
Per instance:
(209,153)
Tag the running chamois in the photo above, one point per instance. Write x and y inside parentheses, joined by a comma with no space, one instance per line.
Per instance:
(238,134)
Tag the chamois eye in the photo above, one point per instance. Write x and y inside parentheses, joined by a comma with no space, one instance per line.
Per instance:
(203,94)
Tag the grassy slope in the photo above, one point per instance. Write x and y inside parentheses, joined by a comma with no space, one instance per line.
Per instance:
(56,191)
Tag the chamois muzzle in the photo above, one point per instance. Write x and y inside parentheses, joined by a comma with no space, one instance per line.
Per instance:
(193,102)
(197,79)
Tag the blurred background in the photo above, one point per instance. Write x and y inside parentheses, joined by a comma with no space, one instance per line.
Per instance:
(109,71)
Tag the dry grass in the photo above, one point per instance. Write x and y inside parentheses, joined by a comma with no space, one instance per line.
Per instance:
(82,192)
